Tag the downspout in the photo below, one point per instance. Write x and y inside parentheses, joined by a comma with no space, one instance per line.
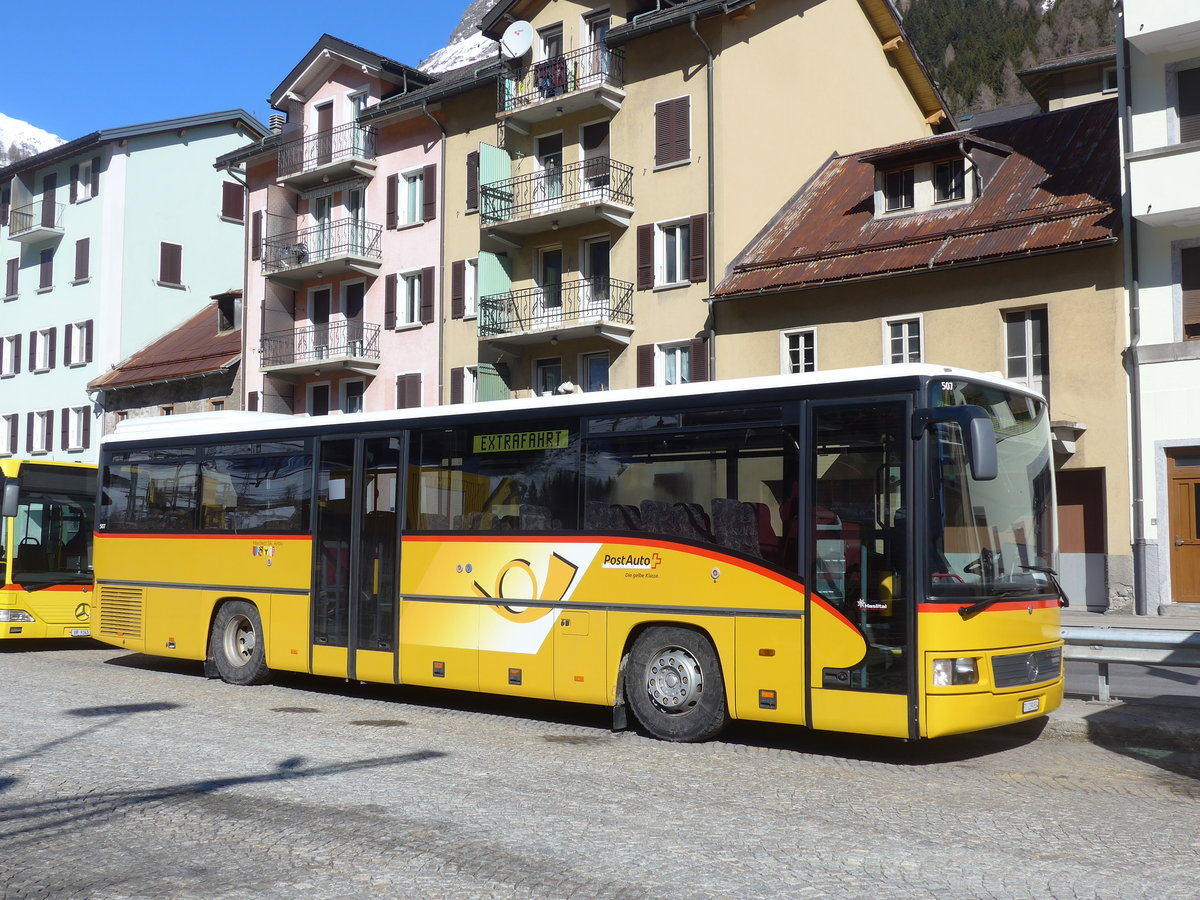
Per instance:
(711,325)
(441,254)
(242,395)
(1137,488)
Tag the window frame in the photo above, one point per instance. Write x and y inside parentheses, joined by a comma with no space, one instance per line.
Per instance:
(908,201)
(682,351)
(934,172)
(344,395)
(10,355)
(786,366)
(41,437)
(412,198)
(1025,317)
(543,365)
(682,253)
(918,320)
(408,299)
(78,337)
(10,424)
(77,429)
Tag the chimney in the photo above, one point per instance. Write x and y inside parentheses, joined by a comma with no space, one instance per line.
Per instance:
(276,122)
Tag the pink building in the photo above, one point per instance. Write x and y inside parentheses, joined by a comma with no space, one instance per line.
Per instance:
(343,243)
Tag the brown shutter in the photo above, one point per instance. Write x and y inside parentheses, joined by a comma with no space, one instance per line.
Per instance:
(53,353)
(645,257)
(1189,105)
(87,429)
(698,360)
(82,247)
(33,342)
(232,198)
(65,428)
(49,427)
(5,204)
(10,279)
(170,268)
(67,343)
(256,223)
(252,401)
(1189,283)
(393,200)
(12,433)
(96,177)
(681,137)
(46,276)
(29,433)
(645,365)
(427,296)
(457,377)
(408,391)
(49,188)
(672,131)
(698,248)
(17,354)
(458,290)
(87,340)
(389,302)
(429,193)
(75,183)
(663,129)
(473,180)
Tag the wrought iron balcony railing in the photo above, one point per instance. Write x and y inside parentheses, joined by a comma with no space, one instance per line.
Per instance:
(347,339)
(593,181)
(351,141)
(556,308)
(35,216)
(321,243)
(588,67)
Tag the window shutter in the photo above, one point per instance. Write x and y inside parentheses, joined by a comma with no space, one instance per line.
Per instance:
(16,354)
(663,129)
(473,180)
(408,391)
(96,177)
(49,188)
(82,247)
(33,342)
(87,340)
(46,275)
(645,257)
(74,186)
(393,200)
(698,360)
(170,263)
(698,248)
(12,433)
(67,343)
(389,302)
(681,137)
(252,401)
(427,295)
(52,353)
(457,377)
(256,223)
(1189,105)
(429,193)
(48,434)
(232,197)
(672,130)
(645,365)
(87,430)
(5,204)
(29,433)
(65,428)
(1189,260)
(10,280)
(458,288)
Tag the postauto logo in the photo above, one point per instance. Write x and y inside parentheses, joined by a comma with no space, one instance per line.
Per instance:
(631,561)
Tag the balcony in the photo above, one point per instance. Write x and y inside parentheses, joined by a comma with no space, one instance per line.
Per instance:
(582,79)
(1162,26)
(323,251)
(598,188)
(575,309)
(347,151)
(348,345)
(36,222)
(1163,186)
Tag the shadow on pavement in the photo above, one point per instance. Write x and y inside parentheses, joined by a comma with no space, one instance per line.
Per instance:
(1164,735)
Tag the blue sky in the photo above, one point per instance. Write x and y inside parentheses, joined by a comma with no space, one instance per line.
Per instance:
(135,61)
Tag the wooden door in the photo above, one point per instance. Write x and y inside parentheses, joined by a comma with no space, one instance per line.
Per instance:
(1184,536)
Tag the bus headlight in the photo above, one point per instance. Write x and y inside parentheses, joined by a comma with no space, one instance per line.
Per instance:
(15,615)
(963,670)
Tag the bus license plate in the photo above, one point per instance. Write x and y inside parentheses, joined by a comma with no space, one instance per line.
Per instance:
(81,632)
(1028,706)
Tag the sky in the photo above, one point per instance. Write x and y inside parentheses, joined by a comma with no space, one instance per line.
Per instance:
(134,61)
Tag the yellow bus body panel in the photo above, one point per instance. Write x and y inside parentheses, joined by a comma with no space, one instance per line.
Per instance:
(61,611)
(332,661)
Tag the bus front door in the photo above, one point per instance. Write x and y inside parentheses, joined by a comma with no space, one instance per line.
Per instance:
(857,558)
(355,591)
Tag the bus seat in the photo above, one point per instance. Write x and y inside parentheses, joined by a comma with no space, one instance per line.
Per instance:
(434,522)
(596,515)
(768,540)
(734,526)
(532,517)
(31,556)
(693,521)
(629,516)
(659,516)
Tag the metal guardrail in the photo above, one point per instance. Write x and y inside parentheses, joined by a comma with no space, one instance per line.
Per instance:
(38,214)
(583,69)
(321,243)
(346,339)
(562,306)
(1130,646)
(351,141)
(595,181)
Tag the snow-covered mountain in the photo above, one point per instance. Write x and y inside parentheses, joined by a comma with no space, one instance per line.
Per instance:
(466,44)
(19,140)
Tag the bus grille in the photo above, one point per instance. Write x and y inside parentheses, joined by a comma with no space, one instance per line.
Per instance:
(121,611)
(1026,668)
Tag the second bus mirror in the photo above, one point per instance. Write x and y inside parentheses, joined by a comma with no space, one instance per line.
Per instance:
(978,433)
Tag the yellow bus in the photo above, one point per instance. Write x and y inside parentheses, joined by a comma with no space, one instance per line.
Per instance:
(859,550)
(47,514)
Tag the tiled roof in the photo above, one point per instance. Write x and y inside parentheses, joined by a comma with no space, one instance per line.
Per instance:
(1057,189)
(194,348)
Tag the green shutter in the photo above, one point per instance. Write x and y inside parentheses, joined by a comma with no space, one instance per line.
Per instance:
(494,166)
(492,385)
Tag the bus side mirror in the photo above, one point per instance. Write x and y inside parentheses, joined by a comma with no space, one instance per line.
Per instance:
(8,499)
(978,432)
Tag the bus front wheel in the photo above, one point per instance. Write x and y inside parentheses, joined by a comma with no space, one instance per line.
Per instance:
(674,685)
(237,644)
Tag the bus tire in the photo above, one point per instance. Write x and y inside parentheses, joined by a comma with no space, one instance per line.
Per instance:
(237,646)
(674,685)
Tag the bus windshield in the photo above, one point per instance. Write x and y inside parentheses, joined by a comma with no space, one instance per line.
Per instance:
(52,530)
(991,538)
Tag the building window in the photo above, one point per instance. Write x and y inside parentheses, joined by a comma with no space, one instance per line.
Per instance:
(949,181)
(166,410)
(675,363)
(229,312)
(217,405)
(1027,349)
(1189,283)
(799,351)
(43,350)
(672,131)
(414,197)
(409,312)
(11,271)
(78,349)
(81,182)
(233,199)
(470,287)
(318,399)
(593,371)
(10,355)
(46,269)
(170,264)
(41,425)
(547,375)
(408,391)
(352,396)
(77,428)
(82,260)
(902,340)
(672,252)
(1110,80)
(1188,107)
(898,191)
(8,434)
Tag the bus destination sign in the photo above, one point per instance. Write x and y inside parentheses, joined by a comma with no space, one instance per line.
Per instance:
(522,440)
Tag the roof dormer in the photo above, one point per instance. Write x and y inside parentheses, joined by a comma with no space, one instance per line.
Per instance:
(933,173)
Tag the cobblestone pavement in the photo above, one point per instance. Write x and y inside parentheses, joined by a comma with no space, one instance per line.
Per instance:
(123,776)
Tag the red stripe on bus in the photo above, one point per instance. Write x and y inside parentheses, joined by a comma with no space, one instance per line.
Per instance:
(108,535)
(1004,606)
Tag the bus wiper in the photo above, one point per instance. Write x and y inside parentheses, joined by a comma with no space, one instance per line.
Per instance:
(981,605)
(1049,572)
(30,583)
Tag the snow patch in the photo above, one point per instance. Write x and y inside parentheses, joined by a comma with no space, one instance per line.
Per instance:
(19,140)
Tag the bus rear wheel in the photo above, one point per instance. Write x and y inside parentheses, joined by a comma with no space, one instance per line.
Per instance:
(674,685)
(237,644)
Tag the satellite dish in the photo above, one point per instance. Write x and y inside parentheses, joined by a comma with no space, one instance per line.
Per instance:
(516,40)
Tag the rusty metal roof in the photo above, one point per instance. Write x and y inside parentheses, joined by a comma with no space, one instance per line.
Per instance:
(1058,189)
(194,348)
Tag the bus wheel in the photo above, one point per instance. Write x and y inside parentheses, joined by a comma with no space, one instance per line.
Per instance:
(237,644)
(674,685)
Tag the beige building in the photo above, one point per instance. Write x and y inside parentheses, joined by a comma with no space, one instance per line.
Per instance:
(603,172)
(995,249)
